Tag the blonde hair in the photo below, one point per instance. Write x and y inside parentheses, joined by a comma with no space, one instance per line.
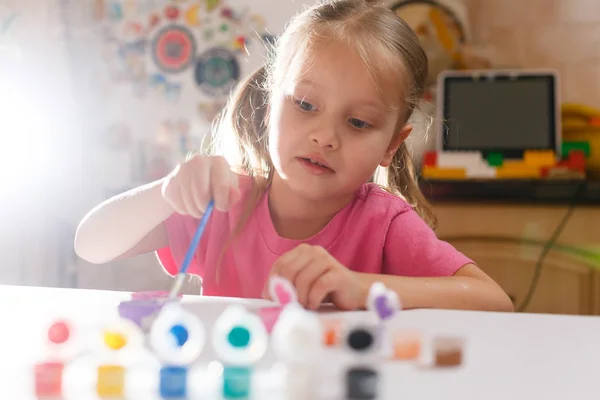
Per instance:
(385,43)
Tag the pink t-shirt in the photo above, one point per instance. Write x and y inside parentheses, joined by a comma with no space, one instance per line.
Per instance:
(376,233)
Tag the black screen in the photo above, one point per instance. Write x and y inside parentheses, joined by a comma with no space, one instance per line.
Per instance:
(502,114)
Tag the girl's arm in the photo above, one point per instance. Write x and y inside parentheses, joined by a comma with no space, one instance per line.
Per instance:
(468,289)
(125,225)
(132,223)
(318,277)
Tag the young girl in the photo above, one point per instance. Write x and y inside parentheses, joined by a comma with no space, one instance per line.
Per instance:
(288,173)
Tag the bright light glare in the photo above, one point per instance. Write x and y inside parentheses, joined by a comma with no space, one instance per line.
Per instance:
(25,130)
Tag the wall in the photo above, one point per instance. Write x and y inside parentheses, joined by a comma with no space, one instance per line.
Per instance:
(559,34)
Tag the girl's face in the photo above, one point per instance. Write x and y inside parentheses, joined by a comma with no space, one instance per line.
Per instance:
(329,126)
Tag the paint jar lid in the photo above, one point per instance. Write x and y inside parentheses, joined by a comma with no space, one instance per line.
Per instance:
(362,340)
(62,341)
(383,302)
(297,336)
(177,336)
(121,335)
(282,290)
(239,337)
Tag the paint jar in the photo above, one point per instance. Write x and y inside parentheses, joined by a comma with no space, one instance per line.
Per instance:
(177,338)
(239,340)
(297,340)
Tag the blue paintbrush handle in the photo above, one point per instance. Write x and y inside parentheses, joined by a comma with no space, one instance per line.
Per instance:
(196,239)
(192,249)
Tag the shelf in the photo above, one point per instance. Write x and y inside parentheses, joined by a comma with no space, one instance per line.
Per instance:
(518,191)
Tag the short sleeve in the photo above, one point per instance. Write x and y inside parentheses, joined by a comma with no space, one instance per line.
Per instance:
(412,249)
(180,230)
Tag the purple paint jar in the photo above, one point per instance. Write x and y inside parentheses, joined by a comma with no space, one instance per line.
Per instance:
(143,308)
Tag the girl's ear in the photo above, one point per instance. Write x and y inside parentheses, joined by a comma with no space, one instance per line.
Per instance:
(397,140)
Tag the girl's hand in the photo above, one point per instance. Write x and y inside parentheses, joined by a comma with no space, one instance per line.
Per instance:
(316,275)
(191,185)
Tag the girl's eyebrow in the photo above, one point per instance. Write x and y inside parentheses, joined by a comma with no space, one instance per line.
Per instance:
(370,105)
(307,82)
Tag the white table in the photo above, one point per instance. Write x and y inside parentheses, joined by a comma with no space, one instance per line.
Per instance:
(507,356)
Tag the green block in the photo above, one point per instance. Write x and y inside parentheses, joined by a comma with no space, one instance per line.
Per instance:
(495,159)
(567,147)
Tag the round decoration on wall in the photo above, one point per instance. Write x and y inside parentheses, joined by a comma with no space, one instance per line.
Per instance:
(440,30)
(174,49)
(217,71)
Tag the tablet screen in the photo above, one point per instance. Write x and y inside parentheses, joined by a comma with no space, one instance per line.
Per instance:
(502,114)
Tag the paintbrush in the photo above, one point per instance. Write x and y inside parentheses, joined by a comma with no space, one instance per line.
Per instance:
(190,252)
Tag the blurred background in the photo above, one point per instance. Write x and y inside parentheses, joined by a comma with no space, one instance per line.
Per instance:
(99,96)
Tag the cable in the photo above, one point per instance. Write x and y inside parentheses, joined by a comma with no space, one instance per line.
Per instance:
(547,247)
(537,271)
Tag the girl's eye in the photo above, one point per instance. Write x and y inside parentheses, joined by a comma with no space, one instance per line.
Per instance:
(357,123)
(304,106)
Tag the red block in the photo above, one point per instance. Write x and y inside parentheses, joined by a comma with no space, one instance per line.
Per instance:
(48,379)
(545,172)
(577,160)
(430,159)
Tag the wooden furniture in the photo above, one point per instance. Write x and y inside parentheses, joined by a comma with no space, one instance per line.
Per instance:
(506,240)
(506,355)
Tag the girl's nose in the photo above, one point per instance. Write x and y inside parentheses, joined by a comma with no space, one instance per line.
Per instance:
(326,138)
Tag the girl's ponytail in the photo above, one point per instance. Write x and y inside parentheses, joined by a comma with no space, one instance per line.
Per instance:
(400,179)
(240,134)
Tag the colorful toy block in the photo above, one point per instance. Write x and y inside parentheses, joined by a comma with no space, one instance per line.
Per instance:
(495,159)
(574,162)
(430,159)
(539,158)
(459,159)
(517,170)
(444,173)
(481,172)
(535,164)
(567,147)
(561,172)
(577,160)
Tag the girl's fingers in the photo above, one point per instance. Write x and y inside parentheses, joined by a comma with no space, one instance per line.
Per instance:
(290,264)
(306,278)
(198,182)
(321,287)
(287,266)
(177,204)
(284,260)
(199,195)
(191,185)
(189,204)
